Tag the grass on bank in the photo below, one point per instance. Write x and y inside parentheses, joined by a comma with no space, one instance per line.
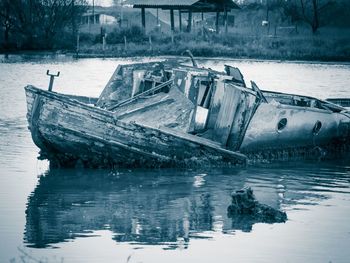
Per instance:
(296,47)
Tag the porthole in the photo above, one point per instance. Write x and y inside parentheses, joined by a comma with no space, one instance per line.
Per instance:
(317,127)
(282,124)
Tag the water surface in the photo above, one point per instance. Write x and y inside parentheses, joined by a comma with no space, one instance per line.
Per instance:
(166,215)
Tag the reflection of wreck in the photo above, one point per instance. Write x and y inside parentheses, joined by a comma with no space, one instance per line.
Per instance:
(164,114)
(148,207)
(166,206)
(66,205)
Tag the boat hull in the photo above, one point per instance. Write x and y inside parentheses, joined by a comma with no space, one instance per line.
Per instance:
(70,133)
(285,132)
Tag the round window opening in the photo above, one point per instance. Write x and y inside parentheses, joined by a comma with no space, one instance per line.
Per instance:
(282,124)
(317,127)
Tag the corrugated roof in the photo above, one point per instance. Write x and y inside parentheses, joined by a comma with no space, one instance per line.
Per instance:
(194,4)
(162,2)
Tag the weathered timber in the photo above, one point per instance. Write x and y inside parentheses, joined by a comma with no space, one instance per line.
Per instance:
(170,109)
(119,86)
(145,93)
(226,114)
(66,125)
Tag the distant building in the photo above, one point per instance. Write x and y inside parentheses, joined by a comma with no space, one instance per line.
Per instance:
(187,7)
(97,18)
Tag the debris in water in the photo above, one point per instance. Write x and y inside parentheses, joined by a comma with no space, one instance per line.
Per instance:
(245,211)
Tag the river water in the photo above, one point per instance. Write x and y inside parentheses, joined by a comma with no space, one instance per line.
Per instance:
(164,215)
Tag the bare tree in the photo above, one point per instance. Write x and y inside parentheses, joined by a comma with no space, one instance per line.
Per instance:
(5,19)
(307,10)
(39,22)
(310,12)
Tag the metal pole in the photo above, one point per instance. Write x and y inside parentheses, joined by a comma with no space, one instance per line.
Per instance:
(93,11)
(52,78)
(78,45)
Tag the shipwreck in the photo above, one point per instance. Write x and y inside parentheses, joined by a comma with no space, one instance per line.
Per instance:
(169,114)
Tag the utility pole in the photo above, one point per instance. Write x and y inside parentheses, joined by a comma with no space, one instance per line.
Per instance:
(93,11)
(267,16)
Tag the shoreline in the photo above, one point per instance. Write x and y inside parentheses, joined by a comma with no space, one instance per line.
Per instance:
(107,55)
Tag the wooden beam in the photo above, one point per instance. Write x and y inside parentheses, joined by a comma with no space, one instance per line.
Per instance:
(143,19)
(189,26)
(172,20)
(180,21)
(217,22)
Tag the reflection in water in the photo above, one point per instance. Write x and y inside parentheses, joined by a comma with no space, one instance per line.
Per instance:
(165,206)
(138,207)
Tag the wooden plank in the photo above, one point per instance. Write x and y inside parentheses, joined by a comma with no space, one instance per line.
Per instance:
(243,115)
(226,114)
(84,99)
(176,113)
(215,105)
(204,142)
(142,109)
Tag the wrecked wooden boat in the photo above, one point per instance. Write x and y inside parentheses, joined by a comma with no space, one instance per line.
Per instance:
(169,114)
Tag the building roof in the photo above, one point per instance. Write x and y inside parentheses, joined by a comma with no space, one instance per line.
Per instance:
(152,3)
(195,5)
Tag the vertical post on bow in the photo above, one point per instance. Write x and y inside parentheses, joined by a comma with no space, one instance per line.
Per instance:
(52,78)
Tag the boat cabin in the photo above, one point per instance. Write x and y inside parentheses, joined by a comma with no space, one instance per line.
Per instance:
(214,105)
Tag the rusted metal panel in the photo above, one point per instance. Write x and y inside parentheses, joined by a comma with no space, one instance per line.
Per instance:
(265,133)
